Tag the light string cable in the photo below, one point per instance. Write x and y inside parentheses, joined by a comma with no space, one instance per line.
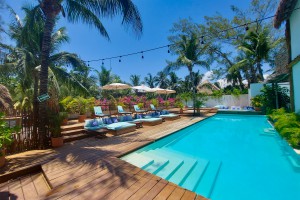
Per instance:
(200,37)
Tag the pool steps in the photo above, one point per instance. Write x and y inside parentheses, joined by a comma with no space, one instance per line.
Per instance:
(196,174)
(207,182)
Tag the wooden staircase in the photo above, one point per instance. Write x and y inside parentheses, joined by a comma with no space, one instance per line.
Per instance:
(73,131)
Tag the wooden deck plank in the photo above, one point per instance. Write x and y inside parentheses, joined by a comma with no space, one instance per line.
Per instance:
(15,189)
(188,195)
(199,197)
(155,190)
(113,194)
(176,194)
(143,190)
(40,184)
(28,188)
(4,191)
(165,192)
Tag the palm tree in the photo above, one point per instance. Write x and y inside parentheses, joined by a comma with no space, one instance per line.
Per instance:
(88,12)
(174,83)
(161,80)
(149,80)
(104,76)
(256,48)
(190,54)
(135,79)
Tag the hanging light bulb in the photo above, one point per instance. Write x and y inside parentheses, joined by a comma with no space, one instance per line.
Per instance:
(168,48)
(120,58)
(88,63)
(246,27)
(202,39)
(102,61)
(142,55)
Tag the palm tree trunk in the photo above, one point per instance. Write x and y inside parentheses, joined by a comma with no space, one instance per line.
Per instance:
(193,91)
(35,109)
(240,80)
(260,70)
(50,13)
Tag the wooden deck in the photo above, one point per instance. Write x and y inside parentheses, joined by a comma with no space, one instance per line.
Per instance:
(90,169)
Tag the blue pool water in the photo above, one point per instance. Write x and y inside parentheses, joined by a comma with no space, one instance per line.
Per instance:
(225,157)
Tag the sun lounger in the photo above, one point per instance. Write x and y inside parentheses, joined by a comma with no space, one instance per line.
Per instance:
(154,109)
(145,119)
(164,114)
(138,110)
(98,112)
(121,111)
(117,128)
(94,124)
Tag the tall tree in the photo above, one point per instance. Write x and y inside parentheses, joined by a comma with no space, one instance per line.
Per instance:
(135,79)
(161,80)
(88,12)
(150,80)
(191,53)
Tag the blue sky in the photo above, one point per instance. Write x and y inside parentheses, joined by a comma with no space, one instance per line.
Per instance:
(158,17)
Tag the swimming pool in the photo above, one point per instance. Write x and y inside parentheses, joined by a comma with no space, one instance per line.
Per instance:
(225,157)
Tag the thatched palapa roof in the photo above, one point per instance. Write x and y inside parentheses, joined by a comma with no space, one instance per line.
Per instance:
(207,87)
(284,11)
(6,102)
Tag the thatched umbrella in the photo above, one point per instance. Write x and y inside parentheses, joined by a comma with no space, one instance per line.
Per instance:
(207,87)
(5,99)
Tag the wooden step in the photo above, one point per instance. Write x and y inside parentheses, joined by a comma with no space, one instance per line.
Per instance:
(72,132)
(72,127)
(79,136)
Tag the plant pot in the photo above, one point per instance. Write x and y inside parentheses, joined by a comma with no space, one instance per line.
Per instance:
(57,142)
(81,118)
(257,108)
(2,159)
(64,122)
(181,111)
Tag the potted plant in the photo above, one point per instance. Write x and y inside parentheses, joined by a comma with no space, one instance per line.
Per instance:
(180,105)
(65,118)
(6,137)
(55,120)
(79,105)
(257,102)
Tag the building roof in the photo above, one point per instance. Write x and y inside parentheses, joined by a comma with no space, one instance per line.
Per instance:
(207,87)
(284,11)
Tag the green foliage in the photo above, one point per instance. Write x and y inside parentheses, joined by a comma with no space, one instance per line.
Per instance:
(140,105)
(55,120)
(288,125)
(269,97)
(257,101)
(6,132)
(155,102)
(179,104)
(65,102)
(217,94)
(78,105)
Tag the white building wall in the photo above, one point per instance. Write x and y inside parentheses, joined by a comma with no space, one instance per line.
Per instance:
(228,100)
(295,47)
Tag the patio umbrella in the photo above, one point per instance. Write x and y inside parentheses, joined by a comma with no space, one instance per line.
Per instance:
(143,88)
(164,91)
(116,86)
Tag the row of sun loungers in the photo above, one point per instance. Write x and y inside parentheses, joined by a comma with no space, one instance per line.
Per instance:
(125,122)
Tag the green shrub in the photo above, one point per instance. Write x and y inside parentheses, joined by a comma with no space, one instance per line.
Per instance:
(288,125)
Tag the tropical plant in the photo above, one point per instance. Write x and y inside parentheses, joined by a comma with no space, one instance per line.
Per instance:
(55,120)
(271,93)
(161,80)
(186,96)
(88,12)
(6,132)
(257,101)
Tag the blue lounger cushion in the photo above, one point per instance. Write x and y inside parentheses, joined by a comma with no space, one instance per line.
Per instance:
(119,125)
(93,124)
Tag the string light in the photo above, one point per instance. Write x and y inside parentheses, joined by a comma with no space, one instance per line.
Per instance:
(246,26)
(202,39)
(102,62)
